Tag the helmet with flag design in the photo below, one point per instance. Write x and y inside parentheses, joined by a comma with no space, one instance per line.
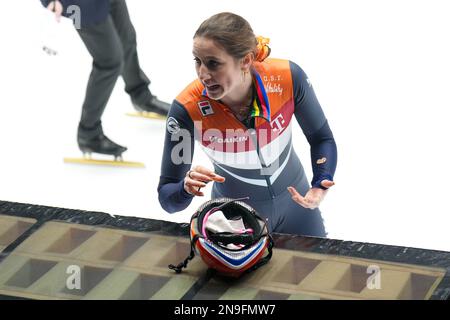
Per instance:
(229,236)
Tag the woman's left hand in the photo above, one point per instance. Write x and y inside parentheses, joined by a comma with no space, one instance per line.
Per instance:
(313,197)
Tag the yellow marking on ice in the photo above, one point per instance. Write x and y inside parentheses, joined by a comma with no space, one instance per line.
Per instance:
(147,115)
(105,162)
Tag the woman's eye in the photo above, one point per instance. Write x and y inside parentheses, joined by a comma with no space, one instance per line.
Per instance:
(197,60)
(213,64)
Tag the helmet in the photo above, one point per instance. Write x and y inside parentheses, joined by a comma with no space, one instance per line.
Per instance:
(229,236)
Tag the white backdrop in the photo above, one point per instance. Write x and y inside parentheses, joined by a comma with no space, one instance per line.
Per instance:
(379,68)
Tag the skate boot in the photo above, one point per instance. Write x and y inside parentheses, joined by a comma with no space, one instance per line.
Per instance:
(154,105)
(101,144)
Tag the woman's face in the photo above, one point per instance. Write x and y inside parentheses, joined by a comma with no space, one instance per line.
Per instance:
(219,72)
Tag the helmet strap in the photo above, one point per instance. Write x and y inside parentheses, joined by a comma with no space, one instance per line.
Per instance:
(178,268)
(264,260)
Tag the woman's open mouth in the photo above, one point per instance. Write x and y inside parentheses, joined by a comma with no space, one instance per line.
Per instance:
(213,88)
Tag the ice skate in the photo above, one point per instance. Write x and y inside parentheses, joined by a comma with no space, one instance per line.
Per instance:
(153,108)
(101,144)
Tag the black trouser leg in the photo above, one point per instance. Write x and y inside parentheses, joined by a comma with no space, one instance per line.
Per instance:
(136,82)
(104,45)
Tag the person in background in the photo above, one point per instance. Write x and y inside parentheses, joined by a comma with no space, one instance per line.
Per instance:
(108,34)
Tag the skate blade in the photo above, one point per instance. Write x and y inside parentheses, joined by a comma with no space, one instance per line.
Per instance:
(147,115)
(113,163)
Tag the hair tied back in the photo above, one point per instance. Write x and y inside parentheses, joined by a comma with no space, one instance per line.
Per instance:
(262,48)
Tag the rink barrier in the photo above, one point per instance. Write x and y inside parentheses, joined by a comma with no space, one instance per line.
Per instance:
(127,258)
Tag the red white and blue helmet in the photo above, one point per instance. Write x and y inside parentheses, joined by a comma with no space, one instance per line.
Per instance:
(229,253)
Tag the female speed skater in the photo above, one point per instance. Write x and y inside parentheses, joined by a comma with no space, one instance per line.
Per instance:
(240,110)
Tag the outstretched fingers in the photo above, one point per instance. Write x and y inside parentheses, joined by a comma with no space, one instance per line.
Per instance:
(297,197)
(204,174)
(198,178)
(310,201)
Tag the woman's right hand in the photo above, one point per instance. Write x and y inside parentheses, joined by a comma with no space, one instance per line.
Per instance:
(197,178)
(57,8)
